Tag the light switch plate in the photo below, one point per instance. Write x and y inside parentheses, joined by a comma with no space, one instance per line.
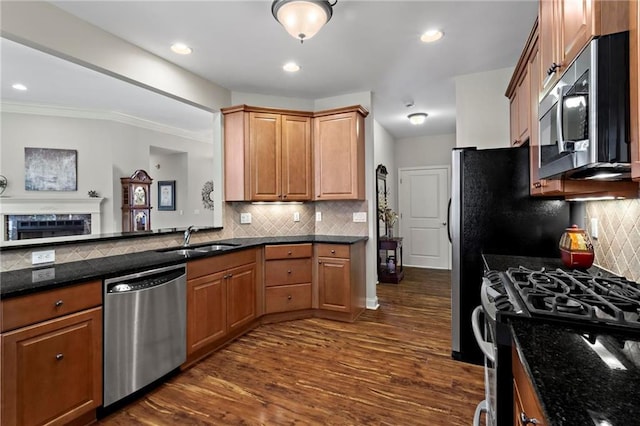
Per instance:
(318,216)
(245,217)
(46,256)
(296,216)
(594,228)
(360,217)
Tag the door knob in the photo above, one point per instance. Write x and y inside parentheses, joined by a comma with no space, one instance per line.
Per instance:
(444,223)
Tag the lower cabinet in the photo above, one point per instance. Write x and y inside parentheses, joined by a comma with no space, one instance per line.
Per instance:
(288,277)
(526,407)
(52,371)
(341,280)
(221,299)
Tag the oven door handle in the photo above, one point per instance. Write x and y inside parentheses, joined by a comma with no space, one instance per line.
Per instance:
(482,407)
(485,347)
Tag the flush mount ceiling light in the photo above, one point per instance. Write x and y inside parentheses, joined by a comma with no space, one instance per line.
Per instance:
(302,18)
(291,67)
(417,118)
(431,36)
(181,49)
(19,86)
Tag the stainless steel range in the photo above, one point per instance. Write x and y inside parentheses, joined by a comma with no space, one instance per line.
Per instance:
(571,297)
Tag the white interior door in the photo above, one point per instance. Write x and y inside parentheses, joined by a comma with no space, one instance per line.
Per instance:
(423,198)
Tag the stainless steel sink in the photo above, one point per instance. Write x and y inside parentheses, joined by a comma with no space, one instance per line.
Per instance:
(216,247)
(186,252)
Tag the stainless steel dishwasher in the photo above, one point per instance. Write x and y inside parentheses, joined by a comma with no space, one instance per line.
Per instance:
(144,329)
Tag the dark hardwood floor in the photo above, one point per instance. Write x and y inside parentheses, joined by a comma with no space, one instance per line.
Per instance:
(391,367)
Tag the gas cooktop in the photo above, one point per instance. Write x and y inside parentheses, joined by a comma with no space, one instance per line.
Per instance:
(574,295)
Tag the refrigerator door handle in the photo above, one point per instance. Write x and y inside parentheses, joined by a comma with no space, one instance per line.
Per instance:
(449,221)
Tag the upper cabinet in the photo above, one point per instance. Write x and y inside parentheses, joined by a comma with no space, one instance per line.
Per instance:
(567,26)
(267,154)
(634,40)
(339,154)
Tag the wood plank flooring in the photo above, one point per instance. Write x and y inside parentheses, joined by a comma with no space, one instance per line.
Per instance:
(391,367)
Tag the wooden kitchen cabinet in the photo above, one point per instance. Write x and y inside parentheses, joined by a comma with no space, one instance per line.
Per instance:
(567,26)
(338,146)
(221,299)
(267,154)
(288,277)
(52,358)
(341,280)
(634,41)
(526,405)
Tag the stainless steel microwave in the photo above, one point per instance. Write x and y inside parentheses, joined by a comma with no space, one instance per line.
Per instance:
(584,120)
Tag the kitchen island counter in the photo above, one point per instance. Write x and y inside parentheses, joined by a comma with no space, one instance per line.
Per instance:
(582,376)
(31,280)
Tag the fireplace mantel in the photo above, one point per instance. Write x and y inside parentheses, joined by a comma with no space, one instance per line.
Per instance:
(51,205)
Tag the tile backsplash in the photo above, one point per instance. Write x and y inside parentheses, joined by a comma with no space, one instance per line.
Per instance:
(267,220)
(618,245)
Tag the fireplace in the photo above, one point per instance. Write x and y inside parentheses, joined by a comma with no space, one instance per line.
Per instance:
(37,218)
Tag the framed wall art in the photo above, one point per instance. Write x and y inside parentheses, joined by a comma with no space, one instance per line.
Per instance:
(47,169)
(167,195)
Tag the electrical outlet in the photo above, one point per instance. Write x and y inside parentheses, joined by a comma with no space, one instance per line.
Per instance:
(594,228)
(296,216)
(46,256)
(360,217)
(245,217)
(43,275)
(318,216)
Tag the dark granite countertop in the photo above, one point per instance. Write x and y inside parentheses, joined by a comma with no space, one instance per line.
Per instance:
(581,376)
(31,280)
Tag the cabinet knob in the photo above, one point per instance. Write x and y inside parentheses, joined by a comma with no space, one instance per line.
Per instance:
(226,276)
(333,252)
(289,297)
(320,262)
(59,303)
(59,357)
(284,196)
(289,252)
(524,420)
(553,68)
(288,271)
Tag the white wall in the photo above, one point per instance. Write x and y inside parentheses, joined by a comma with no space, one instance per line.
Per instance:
(253,99)
(47,28)
(482,109)
(107,151)
(421,151)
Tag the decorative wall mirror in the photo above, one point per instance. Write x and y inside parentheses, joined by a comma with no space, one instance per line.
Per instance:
(381,199)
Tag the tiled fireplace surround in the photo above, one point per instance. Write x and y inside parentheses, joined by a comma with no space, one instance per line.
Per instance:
(267,220)
(617,248)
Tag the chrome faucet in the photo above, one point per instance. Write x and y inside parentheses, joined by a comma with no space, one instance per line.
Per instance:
(187,234)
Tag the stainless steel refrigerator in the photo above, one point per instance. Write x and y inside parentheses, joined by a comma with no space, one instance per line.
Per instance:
(492,212)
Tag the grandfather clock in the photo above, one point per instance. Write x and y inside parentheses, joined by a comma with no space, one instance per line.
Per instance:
(136,202)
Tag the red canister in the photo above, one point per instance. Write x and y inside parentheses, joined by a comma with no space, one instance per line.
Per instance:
(576,249)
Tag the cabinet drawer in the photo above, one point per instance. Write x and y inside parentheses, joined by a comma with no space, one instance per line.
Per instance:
(333,250)
(289,251)
(295,271)
(30,309)
(288,298)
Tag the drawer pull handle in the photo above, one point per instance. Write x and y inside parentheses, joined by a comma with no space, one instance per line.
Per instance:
(333,252)
(59,303)
(289,297)
(59,357)
(524,420)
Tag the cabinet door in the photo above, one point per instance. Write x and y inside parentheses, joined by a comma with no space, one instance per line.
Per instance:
(296,158)
(634,41)
(575,28)
(524,111)
(548,31)
(206,311)
(264,148)
(514,110)
(52,371)
(338,155)
(241,295)
(334,285)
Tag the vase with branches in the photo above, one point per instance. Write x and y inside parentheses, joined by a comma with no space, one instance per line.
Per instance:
(386,213)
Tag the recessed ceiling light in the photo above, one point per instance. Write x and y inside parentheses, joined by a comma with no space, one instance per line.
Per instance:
(19,86)
(417,118)
(291,67)
(431,36)
(181,49)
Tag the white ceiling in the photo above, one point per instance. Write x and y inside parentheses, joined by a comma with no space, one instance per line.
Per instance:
(367,46)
